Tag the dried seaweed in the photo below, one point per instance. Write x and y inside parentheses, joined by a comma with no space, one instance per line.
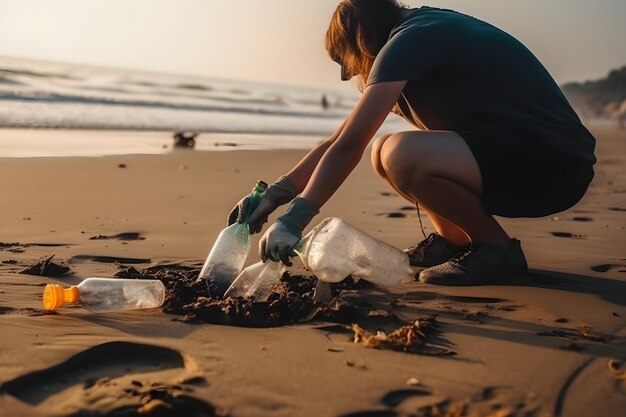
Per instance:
(410,338)
(46,268)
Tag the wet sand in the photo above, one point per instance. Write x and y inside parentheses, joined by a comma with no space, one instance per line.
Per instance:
(549,343)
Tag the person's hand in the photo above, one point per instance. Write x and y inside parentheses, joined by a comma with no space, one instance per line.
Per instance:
(278,241)
(277,194)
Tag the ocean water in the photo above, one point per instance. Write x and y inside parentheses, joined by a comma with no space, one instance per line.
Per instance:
(38,94)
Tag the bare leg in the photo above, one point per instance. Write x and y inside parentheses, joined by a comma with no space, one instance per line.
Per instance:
(438,170)
(443,227)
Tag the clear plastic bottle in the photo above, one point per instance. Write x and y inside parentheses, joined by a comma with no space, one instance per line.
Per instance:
(255,281)
(230,250)
(334,249)
(107,294)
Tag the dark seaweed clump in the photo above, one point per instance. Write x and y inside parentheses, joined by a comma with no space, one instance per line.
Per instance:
(291,300)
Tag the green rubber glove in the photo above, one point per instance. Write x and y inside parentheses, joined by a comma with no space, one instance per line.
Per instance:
(278,241)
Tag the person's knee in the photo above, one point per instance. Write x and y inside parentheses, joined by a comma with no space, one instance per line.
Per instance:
(400,161)
(376,155)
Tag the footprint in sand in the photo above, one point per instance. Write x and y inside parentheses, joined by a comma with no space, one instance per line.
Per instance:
(408,398)
(113,370)
(108,360)
(397,397)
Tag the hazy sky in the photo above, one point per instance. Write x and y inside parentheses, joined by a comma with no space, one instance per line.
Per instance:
(281,41)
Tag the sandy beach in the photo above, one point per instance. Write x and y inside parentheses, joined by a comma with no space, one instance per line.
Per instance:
(552,343)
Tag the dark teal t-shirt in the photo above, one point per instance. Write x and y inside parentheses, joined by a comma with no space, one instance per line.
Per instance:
(468,76)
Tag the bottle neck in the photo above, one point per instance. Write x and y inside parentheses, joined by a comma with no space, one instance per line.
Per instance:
(72,294)
(260,187)
(54,296)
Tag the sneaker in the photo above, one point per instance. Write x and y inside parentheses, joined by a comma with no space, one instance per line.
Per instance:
(478,263)
(433,250)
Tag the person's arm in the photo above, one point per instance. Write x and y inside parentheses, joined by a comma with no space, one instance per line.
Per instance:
(343,154)
(338,160)
(301,173)
(284,190)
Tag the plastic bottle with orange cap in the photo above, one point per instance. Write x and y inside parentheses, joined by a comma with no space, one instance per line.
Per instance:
(107,294)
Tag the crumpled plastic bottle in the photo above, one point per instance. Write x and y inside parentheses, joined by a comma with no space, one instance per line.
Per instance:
(255,281)
(334,249)
(230,250)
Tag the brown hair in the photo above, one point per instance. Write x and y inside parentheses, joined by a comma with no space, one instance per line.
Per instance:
(357,32)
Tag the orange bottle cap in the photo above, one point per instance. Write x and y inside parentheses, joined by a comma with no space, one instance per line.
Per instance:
(54,296)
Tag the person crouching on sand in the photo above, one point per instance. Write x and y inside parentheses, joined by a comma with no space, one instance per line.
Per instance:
(496,137)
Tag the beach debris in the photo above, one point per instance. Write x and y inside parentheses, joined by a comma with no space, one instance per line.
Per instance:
(120,236)
(615,369)
(353,364)
(409,338)
(121,165)
(185,140)
(413,382)
(46,268)
(8,245)
(334,349)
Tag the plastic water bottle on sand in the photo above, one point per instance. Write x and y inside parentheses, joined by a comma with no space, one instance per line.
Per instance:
(334,249)
(255,281)
(230,250)
(107,294)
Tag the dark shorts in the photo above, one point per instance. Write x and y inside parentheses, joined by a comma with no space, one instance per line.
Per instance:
(524,178)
